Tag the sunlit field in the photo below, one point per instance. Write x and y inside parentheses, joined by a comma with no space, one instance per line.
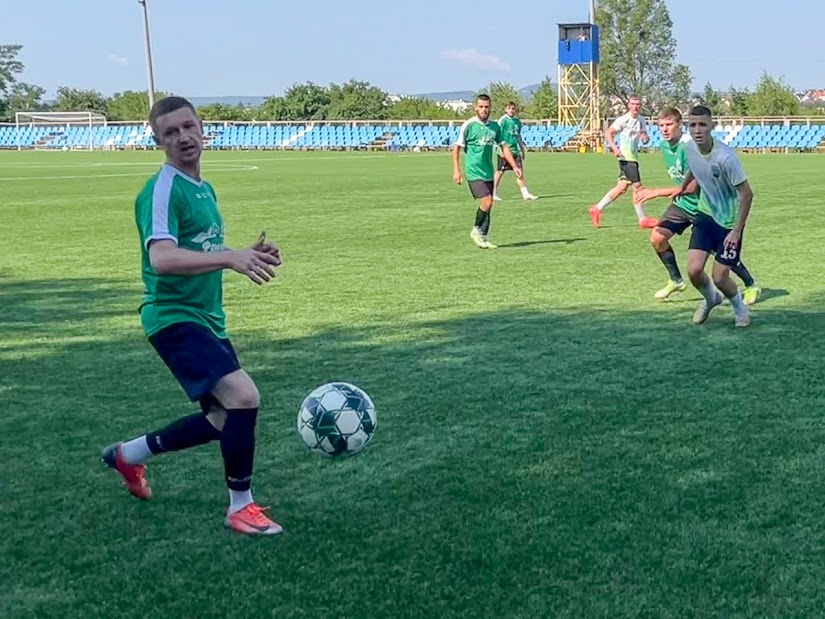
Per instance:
(551,441)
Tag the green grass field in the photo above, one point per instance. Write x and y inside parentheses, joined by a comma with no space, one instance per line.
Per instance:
(551,441)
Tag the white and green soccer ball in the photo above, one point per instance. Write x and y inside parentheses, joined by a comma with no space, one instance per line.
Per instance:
(337,419)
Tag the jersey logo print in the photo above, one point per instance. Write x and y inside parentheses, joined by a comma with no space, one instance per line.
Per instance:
(207,239)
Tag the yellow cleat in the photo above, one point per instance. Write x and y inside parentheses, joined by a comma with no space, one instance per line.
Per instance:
(751,294)
(668,290)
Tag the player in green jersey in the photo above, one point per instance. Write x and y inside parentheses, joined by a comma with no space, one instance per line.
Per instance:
(183,254)
(477,138)
(681,213)
(511,130)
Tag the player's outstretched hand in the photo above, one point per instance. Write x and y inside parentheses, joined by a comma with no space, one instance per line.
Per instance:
(256,265)
(457,177)
(732,240)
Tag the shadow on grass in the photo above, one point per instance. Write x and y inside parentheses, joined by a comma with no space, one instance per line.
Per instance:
(546,242)
(529,463)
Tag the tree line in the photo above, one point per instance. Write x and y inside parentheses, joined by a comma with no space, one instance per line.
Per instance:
(637,57)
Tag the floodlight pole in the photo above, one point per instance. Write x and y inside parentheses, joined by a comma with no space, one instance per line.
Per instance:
(149,70)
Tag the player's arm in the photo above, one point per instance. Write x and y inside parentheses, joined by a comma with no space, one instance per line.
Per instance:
(737,177)
(643,135)
(688,183)
(610,137)
(168,259)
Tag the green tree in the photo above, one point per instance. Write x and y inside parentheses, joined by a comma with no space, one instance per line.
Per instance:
(222,111)
(637,54)
(357,100)
(273,108)
(24,98)
(712,100)
(544,104)
(78,100)
(500,94)
(772,97)
(10,67)
(130,105)
(307,102)
(739,101)
(420,108)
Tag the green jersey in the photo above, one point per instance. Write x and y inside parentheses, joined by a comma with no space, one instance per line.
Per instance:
(677,167)
(174,206)
(478,139)
(511,132)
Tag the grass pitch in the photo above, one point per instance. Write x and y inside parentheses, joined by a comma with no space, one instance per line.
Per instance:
(551,441)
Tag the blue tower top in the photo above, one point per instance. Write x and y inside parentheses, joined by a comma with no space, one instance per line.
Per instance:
(578,44)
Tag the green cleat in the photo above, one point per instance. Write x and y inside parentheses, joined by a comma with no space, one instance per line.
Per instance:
(671,288)
(751,294)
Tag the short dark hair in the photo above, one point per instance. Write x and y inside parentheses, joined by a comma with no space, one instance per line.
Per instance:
(509,103)
(166,106)
(483,97)
(671,112)
(700,110)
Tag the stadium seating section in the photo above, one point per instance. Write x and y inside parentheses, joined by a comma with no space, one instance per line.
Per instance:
(390,136)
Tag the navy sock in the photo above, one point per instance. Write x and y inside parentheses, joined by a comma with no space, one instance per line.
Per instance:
(480,217)
(186,432)
(743,274)
(668,258)
(485,225)
(238,447)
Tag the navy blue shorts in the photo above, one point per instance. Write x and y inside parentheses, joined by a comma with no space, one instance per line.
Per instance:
(197,358)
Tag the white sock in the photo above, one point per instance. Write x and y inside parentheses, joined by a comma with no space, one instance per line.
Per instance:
(136,451)
(737,302)
(708,290)
(604,202)
(640,212)
(525,192)
(238,499)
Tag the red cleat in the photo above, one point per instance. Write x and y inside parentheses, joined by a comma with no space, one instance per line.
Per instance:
(595,216)
(648,222)
(133,474)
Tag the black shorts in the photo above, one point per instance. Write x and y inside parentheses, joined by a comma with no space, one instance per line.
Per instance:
(481,189)
(503,166)
(629,171)
(709,236)
(197,358)
(676,220)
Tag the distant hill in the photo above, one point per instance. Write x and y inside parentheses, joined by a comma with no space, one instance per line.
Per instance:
(256,100)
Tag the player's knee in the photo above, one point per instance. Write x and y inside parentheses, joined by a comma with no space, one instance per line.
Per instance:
(237,390)
(658,240)
(696,273)
(247,396)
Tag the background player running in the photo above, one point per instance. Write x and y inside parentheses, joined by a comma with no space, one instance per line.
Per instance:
(630,129)
(681,212)
(511,131)
(478,137)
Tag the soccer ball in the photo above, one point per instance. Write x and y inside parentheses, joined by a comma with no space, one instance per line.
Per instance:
(337,419)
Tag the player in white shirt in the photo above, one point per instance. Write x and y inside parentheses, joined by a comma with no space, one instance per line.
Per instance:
(630,129)
(725,200)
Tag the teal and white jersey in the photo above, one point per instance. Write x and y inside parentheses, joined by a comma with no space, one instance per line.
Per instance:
(717,173)
(628,130)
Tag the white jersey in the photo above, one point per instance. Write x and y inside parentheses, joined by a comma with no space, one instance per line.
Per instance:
(717,173)
(628,130)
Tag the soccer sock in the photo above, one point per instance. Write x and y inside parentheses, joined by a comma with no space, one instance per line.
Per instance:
(640,212)
(525,192)
(136,451)
(742,273)
(485,225)
(238,448)
(604,202)
(183,433)
(737,302)
(668,258)
(708,290)
(238,499)
(480,217)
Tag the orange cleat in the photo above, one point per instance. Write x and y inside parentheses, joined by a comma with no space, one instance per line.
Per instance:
(648,222)
(251,519)
(595,216)
(133,474)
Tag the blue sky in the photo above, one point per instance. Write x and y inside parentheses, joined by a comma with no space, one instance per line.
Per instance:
(260,47)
